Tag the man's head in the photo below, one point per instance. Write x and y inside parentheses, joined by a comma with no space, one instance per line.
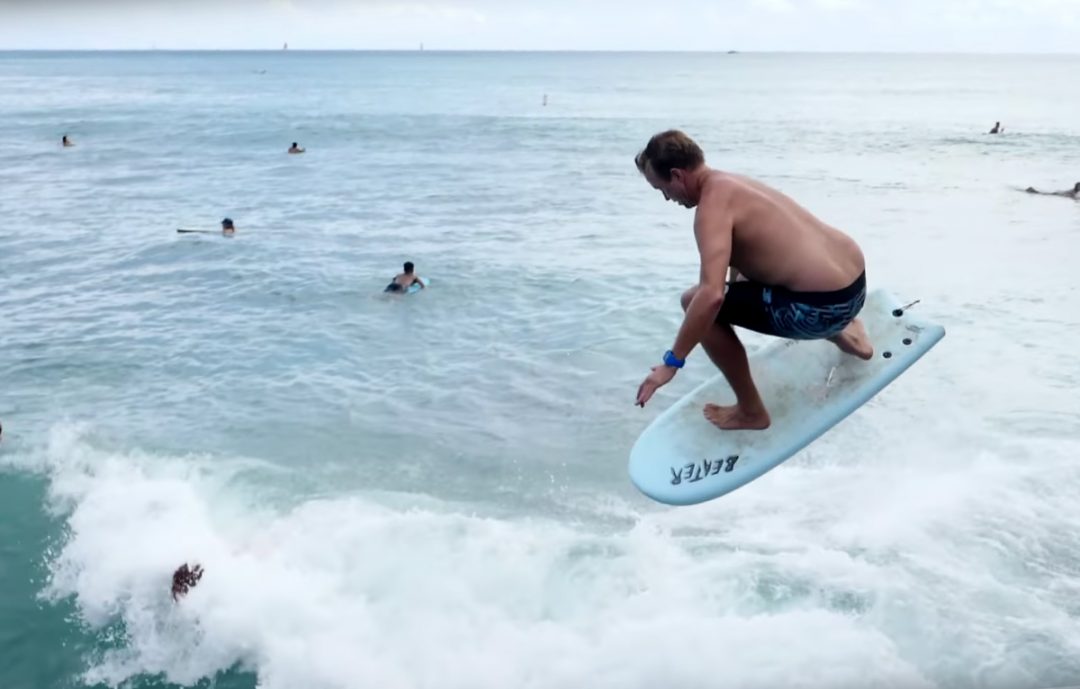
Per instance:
(408,267)
(227,226)
(1076,188)
(668,163)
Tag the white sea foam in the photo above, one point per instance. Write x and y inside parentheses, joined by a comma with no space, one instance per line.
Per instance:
(828,576)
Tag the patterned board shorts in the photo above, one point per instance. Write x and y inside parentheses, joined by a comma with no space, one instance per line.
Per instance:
(796,315)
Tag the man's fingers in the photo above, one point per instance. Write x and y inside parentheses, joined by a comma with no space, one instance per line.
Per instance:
(645,393)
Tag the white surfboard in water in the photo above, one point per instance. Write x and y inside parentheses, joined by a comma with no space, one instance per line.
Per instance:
(807,386)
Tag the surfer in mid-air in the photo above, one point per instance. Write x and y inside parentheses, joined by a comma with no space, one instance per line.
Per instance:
(793,276)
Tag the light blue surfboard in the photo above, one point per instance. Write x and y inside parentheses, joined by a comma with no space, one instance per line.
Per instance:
(413,288)
(808,387)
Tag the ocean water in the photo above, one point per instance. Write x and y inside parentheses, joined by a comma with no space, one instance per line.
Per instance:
(430,492)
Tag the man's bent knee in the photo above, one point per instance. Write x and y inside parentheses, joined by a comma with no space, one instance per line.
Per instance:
(687,296)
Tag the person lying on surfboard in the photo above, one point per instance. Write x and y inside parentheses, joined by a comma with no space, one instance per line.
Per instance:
(803,279)
(227,228)
(1073,193)
(403,281)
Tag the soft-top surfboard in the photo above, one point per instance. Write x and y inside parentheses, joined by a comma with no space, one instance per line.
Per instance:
(808,387)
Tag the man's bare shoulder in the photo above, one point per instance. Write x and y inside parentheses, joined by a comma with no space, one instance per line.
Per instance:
(717,202)
(719,182)
(718,190)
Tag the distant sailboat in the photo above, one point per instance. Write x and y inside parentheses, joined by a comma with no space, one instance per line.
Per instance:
(286,46)
(421,47)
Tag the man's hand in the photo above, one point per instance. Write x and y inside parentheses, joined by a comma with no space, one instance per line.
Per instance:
(660,376)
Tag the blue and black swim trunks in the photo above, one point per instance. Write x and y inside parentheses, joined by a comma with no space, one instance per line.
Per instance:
(795,315)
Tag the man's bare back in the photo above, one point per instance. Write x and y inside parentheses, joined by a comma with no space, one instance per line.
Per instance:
(775,241)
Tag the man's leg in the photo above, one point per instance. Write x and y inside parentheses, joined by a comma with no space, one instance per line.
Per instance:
(727,352)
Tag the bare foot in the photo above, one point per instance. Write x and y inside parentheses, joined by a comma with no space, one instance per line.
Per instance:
(854,340)
(734,418)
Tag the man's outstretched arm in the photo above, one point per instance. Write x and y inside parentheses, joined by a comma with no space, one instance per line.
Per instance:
(713,228)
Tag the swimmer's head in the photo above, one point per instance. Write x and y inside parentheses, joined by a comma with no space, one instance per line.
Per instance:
(409,267)
(227,225)
(1076,188)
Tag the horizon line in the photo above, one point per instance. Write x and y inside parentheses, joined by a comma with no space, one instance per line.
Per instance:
(717,51)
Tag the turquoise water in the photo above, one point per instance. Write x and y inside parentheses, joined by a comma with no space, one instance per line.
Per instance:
(431,492)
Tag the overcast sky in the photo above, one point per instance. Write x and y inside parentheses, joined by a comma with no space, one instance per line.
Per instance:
(816,25)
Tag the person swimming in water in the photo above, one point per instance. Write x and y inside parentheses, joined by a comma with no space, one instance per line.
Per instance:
(184,579)
(295,148)
(227,227)
(66,142)
(403,281)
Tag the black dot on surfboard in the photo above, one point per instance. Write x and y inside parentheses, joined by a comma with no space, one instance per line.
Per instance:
(887,355)
(907,340)
(898,312)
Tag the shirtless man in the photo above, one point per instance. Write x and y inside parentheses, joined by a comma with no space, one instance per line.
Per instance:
(404,281)
(294,149)
(802,279)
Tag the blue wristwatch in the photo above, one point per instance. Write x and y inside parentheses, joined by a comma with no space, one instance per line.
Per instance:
(673,361)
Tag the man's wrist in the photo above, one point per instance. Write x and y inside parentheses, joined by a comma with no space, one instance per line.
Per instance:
(672,361)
